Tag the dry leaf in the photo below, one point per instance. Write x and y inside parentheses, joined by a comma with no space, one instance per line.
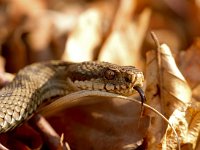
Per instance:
(12,47)
(189,63)
(169,37)
(168,92)
(31,8)
(195,93)
(193,118)
(2,64)
(85,37)
(124,43)
(187,124)
(32,31)
(51,138)
(22,138)
(98,122)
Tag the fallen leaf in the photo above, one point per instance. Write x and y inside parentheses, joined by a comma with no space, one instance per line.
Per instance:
(189,64)
(51,138)
(100,122)
(23,138)
(195,93)
(123,46)
(169,37)
(187,124)
(12,47)
(168,92)
(85,37)
(193,118)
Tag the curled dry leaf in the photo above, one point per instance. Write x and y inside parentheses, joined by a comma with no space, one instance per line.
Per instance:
(193,118)
(168,92)
(98,120)
(187,124)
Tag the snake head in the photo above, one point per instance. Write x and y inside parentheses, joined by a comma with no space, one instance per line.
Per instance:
(105,76)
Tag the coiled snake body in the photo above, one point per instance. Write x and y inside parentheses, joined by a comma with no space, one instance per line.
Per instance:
(38,82)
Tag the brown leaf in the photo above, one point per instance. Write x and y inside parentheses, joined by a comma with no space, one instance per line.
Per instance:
(124,43)
(85,37)
(99,122)
(195,93)
(189,63)
(193,118)
(51,138)
(168,92)
(12,47)
(187,124)
(31,8)
(23,138)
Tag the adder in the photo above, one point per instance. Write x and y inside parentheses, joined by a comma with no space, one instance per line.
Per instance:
(39,82)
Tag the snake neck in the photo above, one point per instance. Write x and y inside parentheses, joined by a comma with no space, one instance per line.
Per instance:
(30,88)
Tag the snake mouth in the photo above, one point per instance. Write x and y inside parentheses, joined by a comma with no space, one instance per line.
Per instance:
(119,87)
(106,77)
(95,84)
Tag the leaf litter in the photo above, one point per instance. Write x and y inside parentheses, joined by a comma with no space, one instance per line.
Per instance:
(39,30)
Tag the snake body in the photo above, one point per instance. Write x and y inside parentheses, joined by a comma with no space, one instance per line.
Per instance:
(39,82)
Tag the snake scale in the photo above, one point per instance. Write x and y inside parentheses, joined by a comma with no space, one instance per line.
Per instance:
(39,82)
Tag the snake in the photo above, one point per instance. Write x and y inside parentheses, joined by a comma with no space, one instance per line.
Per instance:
(36,84)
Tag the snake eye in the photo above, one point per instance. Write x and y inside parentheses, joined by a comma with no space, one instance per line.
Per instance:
(109,74)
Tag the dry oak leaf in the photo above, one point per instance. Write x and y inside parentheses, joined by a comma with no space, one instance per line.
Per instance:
(168,92)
